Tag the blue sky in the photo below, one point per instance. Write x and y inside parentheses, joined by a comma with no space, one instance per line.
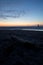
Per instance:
(21,12)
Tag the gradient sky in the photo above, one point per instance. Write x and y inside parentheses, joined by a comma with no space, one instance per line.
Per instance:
(21,12)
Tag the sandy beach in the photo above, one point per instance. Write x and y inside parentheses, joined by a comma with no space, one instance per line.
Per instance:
(21,47)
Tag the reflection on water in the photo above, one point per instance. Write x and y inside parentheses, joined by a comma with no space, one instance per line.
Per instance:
(34,29)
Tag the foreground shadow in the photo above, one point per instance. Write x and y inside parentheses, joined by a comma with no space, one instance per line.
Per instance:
(15,51)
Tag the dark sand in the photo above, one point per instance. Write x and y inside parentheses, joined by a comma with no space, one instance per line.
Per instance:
(21,47)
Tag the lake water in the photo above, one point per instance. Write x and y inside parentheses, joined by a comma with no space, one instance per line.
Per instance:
(33,29)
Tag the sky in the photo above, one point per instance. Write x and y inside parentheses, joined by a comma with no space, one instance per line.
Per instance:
(21,12)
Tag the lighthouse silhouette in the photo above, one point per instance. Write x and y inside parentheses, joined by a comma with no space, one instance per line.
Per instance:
(38,25)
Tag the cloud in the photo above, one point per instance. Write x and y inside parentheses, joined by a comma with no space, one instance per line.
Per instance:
(4,14)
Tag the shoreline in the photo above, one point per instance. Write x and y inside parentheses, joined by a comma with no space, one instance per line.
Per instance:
(25,35)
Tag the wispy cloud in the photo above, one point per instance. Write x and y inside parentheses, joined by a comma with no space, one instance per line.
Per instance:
(4,14)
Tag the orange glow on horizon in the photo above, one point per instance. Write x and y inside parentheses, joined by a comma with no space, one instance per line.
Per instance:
(18,24)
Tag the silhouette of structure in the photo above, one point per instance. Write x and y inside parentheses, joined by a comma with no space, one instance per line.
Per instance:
(38,25)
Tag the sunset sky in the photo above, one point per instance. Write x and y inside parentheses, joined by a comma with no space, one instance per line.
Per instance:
(21,12)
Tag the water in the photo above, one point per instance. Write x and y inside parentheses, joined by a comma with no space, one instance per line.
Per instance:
(30,28)
(33,29)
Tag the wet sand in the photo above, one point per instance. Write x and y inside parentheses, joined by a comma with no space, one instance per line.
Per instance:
(21,47)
